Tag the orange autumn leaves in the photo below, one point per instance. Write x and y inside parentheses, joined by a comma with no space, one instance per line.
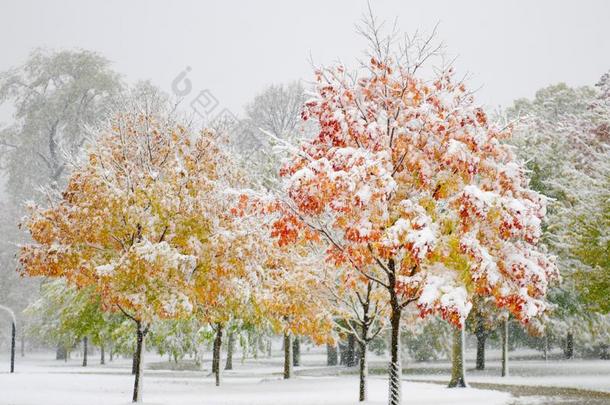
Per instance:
(155,221)
(405,177)
(136,219)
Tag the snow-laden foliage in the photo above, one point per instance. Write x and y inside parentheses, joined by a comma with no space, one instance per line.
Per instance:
(410,175)
(563,136)
(147,221)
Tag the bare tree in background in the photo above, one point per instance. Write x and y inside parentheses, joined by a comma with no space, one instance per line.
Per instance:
(273,121)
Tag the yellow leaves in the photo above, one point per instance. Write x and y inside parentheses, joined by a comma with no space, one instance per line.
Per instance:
(447,185)
(429,206)
(448,226)
(145,182)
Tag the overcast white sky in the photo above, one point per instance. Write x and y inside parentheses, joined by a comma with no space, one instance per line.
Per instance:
(236,48)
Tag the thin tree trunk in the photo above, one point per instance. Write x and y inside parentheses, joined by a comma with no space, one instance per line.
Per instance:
(214,358)
(481,335)
(230,348)
(481,338)
(287,355)
(111,353)
(85,341)
(256,345)
(569,352)
(331,355)
(351,351)
(504,333)
(342,354)
(296,351)
(134,362)
(61,353)
(395,369)
(22,345)
(139,362)
(102,354)
(216,354)
(245,348)
(364,371)
(269,347)
(457,363)
(13,335)
(546,346)
(603,352)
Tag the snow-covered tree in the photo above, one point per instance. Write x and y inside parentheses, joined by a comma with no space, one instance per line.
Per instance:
(63,315)
(132,219)
(177,338)
(273,120)
(54,97)
(562,135)
(408,183)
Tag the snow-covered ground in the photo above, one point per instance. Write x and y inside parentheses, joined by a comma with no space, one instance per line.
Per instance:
(583,374)
(590,374)
(42,380)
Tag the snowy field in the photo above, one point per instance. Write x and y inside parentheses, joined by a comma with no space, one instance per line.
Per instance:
(42,380)
(589,374)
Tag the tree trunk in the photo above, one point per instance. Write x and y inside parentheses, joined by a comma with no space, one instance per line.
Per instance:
(331,355)
(111,353)
(61,353)
(351,351)
(269,347)
(569,352)
(457,363)
(287,355)
(395,369)
(364,371)
(504,333)
(546,346)
(481,335)
(481,351)
(230,348)
(603,352)
(13,333)
(245,348)
(85,341)
(102,354)
(342,354)
(134,362)
(22,345)
(216,354)
(296,351)
(139,362)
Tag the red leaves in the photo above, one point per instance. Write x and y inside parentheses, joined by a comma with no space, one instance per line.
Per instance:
(449,314)
(240,209)
(286,229)
(481,116)
(311,204)
(389,140)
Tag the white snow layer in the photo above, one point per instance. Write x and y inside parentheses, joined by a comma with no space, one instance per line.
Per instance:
(59,384)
